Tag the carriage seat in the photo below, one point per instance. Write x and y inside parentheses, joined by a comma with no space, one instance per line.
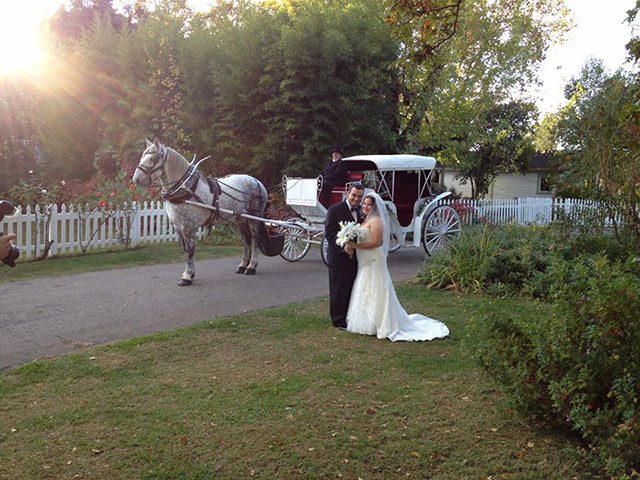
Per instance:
(405,212)
(337,193)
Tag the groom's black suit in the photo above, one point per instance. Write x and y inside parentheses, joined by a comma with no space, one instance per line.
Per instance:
(342,269)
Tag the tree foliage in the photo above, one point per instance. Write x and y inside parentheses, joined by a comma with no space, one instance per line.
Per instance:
(267,88)
(464,60)
(599,130)
(504,145)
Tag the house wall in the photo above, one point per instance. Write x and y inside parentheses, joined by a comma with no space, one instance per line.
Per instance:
(449,182)
(506,185)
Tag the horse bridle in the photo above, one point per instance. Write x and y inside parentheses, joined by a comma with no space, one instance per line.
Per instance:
(160,159)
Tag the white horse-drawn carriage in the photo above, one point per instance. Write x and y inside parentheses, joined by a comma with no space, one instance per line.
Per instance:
(403,182)
(194,200)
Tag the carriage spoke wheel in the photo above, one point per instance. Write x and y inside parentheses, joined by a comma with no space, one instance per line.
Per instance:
(441,226)
(394,243)
(324,250)
(296,239)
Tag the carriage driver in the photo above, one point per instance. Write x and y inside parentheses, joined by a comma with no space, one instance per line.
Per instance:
(334,174)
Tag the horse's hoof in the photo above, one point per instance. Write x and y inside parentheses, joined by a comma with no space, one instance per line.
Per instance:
(184,282)
(250,271)
(241,270)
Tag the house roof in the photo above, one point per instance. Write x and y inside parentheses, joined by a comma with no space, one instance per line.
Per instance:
(542,161)
(539,162)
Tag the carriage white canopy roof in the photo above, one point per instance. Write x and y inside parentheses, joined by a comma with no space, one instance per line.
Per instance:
(398,161)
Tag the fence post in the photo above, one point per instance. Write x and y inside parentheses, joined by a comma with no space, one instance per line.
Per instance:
(53,228)
(135,224)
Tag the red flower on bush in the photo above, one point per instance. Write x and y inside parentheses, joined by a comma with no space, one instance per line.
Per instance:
(102,204)
(132,187)
(99,194)
(463,209)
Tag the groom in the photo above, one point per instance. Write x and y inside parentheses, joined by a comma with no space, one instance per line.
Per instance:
(342,269)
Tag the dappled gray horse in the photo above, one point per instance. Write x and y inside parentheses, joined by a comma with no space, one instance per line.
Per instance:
(163,167)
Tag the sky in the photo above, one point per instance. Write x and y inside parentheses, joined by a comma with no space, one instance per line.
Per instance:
(599,32)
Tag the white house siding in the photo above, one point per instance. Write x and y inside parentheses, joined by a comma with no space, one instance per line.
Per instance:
(511,185)
(449,182)
(507,185)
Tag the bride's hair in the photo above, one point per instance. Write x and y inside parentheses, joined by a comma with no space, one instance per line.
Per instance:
(375,212)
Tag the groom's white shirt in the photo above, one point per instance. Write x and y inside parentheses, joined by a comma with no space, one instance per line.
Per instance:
(354,213)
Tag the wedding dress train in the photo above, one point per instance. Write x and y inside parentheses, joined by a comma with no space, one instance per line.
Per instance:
(374,308)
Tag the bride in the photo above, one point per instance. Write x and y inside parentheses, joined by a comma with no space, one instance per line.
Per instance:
(374,308)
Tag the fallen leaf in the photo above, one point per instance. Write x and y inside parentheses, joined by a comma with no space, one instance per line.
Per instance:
(531,444)
(415,454)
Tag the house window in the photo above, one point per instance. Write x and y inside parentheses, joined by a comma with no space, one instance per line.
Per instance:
(544,184)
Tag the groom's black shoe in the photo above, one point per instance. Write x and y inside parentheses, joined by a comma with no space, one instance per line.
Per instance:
(341,328)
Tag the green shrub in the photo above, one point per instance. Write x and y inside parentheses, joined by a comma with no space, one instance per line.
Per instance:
(503,345)
(223,234)
(578,367)
(463,265)
(515,260)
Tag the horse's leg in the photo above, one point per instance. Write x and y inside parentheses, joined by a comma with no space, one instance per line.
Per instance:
(246,241)
(255,231)
(188,239)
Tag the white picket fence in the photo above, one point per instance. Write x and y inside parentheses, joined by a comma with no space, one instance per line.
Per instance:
(71,229)
(148,222)
(525,211)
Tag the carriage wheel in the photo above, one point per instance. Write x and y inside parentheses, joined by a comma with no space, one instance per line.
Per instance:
(296,240)
(441,226)
(324,250)
(394,244)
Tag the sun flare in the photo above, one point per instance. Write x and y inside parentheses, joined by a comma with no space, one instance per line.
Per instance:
(20,48)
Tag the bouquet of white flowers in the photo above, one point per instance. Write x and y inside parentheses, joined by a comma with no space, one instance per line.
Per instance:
(349,232)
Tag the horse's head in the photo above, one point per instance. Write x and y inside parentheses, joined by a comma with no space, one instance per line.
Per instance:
(151,165)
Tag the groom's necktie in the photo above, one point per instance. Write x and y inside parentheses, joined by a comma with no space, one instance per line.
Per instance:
(354,212)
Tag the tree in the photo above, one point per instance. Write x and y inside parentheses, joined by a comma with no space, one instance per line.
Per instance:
(599,131)
(18,147)
(505,145)
(68,26)
(484,55)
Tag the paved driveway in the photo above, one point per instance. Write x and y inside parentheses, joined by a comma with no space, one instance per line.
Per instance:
(51,316)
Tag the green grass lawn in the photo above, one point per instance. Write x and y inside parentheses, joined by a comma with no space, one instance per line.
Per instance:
(276,394)
(107,260)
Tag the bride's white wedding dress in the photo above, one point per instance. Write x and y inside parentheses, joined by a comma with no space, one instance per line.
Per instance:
(374,308)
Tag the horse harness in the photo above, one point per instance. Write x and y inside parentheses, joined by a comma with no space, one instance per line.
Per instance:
(185,189)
